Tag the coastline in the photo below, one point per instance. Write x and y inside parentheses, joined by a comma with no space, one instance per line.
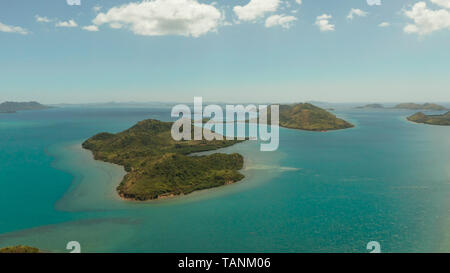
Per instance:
(94,182)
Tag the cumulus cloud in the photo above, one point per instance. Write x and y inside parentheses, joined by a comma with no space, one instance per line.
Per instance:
(42,19)
(442,3)
(323,22)
(426,20)
(13,29)
(298,2)
(91,28)
(384,24)
(256,9)
(70,23)
(356,12)
(280,20)
(163,17)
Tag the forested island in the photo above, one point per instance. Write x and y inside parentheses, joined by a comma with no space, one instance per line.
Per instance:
(159,167)
(306,116)
(13,107)
(425,106)
(371,106)
(19,249)
(420,117)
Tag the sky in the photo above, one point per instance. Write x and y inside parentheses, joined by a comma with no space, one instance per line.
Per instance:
(56,51)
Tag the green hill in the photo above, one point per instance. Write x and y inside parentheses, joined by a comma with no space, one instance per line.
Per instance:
(159,167)
(425,106)
(12,107)
(19,249)
(431,119)
(306,116)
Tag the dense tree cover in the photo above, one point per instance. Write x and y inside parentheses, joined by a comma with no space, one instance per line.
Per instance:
(431,119)
(425,106)
(306,116)
(19,249)
(158,166)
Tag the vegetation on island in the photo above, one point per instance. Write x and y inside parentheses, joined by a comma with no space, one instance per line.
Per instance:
(19,249)
(425,106)
(420,117)
(12,107)
(371,106)
(158,166)
(306,116)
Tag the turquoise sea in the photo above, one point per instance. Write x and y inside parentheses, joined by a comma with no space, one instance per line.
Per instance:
(386,180)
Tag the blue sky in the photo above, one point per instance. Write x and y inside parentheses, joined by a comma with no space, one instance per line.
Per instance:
(240,50)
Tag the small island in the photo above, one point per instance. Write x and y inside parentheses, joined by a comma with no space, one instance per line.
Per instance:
(371,106)
(10,107)
(159,167)
(443,120)
(305,116)
(425,106)
(19,249)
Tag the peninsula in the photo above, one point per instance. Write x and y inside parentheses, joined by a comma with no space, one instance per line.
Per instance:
(159,167)
(306,116)
(12,107)
(443,120)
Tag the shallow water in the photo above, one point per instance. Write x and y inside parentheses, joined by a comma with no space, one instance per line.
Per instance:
(386,180)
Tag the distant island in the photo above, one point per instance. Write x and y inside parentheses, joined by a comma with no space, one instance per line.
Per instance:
(159,167)
(425,106)
(306,116)
(371,106)
(19,249)
(12,107)
(420,117)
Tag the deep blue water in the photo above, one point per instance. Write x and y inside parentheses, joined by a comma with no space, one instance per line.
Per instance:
(386,180)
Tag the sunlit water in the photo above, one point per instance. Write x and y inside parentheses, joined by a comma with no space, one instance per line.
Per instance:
(386,180)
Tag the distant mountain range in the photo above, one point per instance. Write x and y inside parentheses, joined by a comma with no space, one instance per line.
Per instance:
(12,107)
(410,106)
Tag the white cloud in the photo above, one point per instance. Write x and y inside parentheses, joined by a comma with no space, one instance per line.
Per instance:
(323,22)
(42,19)
(163,17)
(91,28)
(280,20)
(426,20)
(298,2)
(70,23)
(96,8)
(356,12)
(442,3)
(256,9)
(374,2)
(384,24)
(13,29)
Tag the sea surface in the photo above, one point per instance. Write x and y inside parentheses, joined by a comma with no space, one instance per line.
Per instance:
(386,180)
